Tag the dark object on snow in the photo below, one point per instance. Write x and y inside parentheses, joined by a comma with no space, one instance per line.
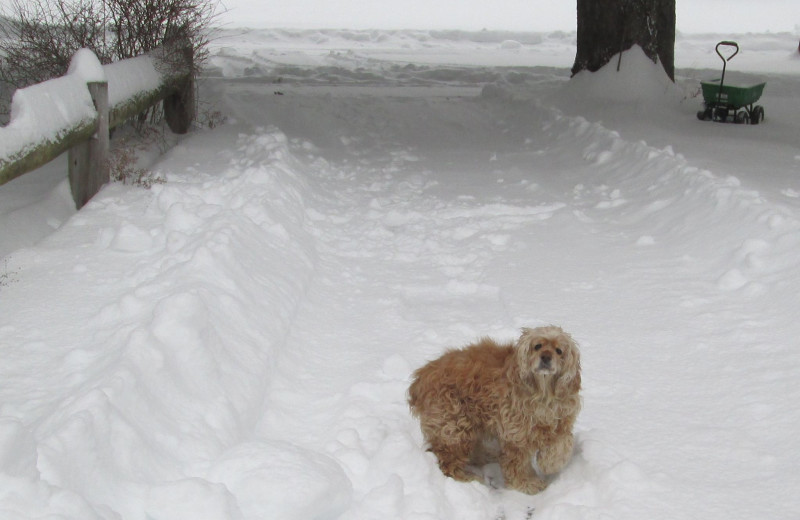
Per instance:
(734,103)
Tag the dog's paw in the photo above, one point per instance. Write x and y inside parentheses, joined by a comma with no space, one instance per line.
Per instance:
(530,486)
(462,474)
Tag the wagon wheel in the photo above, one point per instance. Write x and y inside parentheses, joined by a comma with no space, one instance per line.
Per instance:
(757,116)
(741,117)
(721,114)
(705,115)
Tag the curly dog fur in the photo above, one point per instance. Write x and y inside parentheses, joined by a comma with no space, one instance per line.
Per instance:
(513,403)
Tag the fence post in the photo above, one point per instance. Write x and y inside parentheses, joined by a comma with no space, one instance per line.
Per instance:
(88,161)
(179,108)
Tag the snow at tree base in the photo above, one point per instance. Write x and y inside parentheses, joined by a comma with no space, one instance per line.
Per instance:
(236,343)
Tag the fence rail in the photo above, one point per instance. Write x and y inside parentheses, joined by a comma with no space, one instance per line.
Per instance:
(126,88)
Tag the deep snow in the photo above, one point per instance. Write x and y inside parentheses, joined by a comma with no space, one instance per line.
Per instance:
(236,342)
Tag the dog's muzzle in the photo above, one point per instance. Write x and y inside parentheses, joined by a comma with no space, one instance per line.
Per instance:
(545,365)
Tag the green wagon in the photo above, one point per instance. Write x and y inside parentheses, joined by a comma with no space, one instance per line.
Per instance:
(731,103)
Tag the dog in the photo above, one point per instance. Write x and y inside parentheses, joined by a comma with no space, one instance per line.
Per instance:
(513,403)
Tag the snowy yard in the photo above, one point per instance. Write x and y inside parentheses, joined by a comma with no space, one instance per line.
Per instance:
(236,343)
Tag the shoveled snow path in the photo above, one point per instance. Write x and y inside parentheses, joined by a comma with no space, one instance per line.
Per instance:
(435,247)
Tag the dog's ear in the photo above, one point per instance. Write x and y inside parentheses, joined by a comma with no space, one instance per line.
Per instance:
(569,381)
(567,384)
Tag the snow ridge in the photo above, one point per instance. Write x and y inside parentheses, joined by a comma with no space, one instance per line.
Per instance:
(174,370)
(679,202)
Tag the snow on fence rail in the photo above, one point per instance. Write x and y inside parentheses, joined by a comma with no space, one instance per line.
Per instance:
(75,112)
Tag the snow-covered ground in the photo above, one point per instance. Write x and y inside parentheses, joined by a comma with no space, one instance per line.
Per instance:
(236,342)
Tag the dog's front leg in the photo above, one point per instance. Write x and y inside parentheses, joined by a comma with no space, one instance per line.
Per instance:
(518,471)
(554,454)
(454,459)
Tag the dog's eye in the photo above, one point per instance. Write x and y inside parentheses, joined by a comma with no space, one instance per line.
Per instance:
(559,351)
(538,346)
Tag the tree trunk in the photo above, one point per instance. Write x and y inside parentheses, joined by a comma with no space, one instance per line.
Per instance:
(607,27)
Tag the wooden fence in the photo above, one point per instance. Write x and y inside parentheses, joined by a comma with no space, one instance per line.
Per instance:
(86,140)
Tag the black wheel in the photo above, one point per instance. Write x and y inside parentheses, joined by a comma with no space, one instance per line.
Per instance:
(721,115)
(741,117)
(757,115)
(704,115)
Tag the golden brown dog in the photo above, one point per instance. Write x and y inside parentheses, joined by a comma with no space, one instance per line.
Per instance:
(514,403)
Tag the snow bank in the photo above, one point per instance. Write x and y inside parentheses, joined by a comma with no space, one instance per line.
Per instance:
(169,371)
(638,80)
(759,52)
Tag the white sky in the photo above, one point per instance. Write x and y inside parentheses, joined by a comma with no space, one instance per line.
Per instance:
(717,16)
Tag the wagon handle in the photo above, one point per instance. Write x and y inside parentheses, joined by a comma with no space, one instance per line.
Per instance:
(725,63)
(727,44)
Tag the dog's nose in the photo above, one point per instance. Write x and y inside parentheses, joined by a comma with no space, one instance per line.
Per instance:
(546,358)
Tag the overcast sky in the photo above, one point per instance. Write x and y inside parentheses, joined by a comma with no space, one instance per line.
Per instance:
(718,16)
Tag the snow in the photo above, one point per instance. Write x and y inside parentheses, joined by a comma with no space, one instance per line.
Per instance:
(638,80)
(236,342)
(130,77)
(86,65)
(46,111)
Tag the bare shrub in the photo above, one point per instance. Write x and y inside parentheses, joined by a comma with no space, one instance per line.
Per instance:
(209,116)
(123,167)
(41,36)
(126,156)
(140,26)
(6,277)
